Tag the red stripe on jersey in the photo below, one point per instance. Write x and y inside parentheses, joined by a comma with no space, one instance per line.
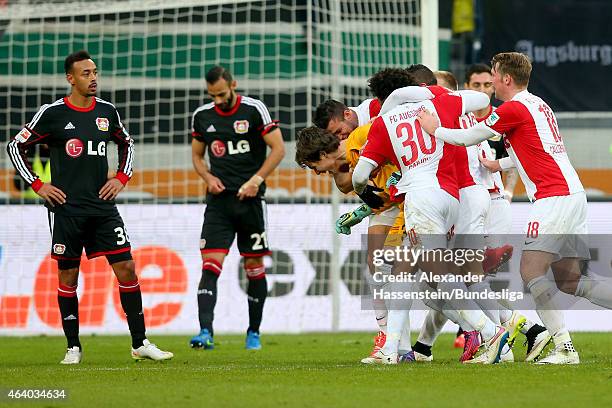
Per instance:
(374,108)
(79,109)
(231,111)
(449,108)
(447,173)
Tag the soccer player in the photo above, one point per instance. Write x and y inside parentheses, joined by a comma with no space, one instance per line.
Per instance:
(321,151)
(341,120)
(536,148)
(236,131)
(474,180)
(81,198)
(429,182)
(478,78)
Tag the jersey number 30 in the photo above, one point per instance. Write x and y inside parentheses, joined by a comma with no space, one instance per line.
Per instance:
(409,129)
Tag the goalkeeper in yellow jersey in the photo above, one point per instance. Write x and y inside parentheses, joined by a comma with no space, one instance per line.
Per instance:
(323,152)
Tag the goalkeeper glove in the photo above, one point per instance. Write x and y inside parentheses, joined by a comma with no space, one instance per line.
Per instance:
(347,220)
(369,196)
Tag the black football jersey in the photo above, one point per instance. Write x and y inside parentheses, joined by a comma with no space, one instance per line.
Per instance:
(77,139)
(234,139)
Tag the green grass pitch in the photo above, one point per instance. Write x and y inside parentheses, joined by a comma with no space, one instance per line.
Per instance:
(308,370)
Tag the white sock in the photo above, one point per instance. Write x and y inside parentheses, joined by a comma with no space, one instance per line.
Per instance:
(381,314)
(397,318)
(597,291)
(378,304)
(432,327)
(489,306)
(469,310)
(395,325)
(405,343)
(543,291)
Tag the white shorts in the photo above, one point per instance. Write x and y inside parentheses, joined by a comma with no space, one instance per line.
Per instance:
(498,223)
(386,217)
(499,218)
(558,225)
(474,204)
(430,215)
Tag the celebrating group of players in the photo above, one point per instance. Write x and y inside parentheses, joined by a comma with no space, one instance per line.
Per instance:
(417,155)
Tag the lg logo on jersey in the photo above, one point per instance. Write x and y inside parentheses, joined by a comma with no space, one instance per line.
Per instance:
(74,148)
(218,147)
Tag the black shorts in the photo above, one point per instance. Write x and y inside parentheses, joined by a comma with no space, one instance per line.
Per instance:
(226,216)
(99,235)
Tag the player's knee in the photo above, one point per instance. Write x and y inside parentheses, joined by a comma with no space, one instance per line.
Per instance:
(254,268)
(125,271)
(68,274)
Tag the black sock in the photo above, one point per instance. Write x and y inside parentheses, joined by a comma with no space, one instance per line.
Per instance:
(207,294)
(69,311)
(131,301)
(257,291)
(422,348)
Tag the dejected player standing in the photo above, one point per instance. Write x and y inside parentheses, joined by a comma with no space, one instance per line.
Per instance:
(236,131)
(82,210)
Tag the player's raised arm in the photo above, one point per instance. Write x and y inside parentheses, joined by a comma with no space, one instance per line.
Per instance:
(33,133)
(407,94)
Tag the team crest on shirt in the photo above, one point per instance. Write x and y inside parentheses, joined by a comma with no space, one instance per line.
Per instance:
(23,135)
(102,124)
(492,119)
(59,249)
(241,126)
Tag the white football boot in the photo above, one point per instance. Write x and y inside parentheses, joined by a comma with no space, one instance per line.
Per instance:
(74,355)
(150,351)
(562,354)
(422,358)
(507,356)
